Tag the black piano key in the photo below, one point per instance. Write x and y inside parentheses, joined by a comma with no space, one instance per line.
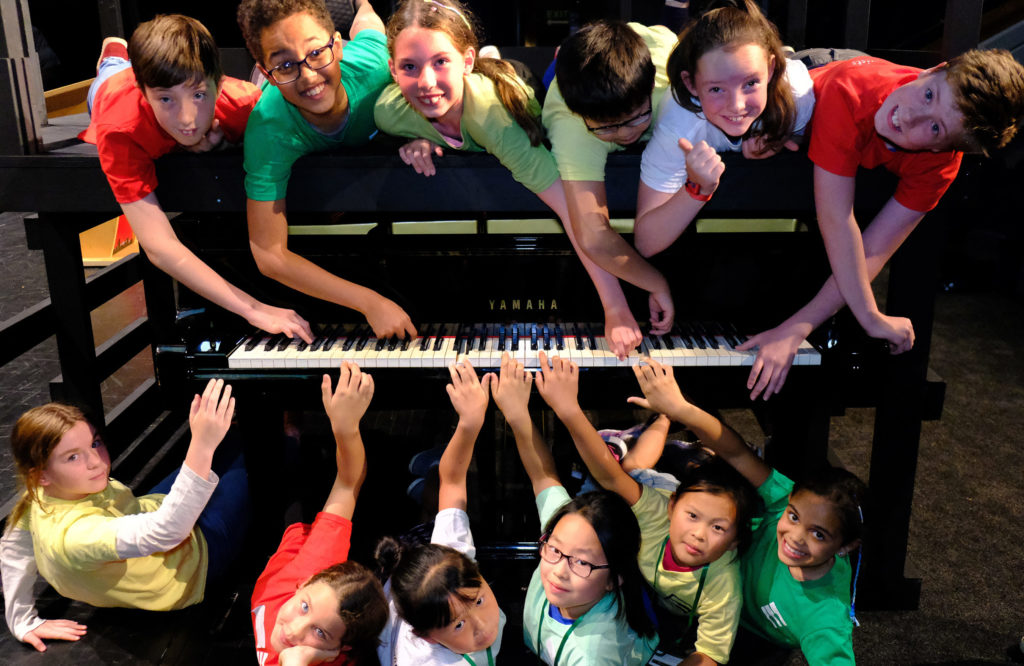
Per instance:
(559,338)
(301,345)
(425,340)
(253,341)
(533,337)
(439,338)
(272,342)
(667,340)
(737,338)
(515,337)
(677,330)
(483,339)
(501,338)
(590,337)
(547,338)
(350,340)
(364,338)
(578,334)
(392,343)
(708,335)
(381,344)
(653,341)
(405,343)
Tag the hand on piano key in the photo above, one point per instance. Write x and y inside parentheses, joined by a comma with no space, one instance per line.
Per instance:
(386,318)
(777,348)
(511,391)
(621,332)
(469,395)
(558,383)
(280,320)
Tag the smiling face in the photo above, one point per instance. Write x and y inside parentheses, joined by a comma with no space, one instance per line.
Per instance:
(702,527)
(921,115)
(572,594)
(184,111)
(429,71)
(474,624)
(309,618)
(78,466)
(317,93)
(809,535)
(732,86)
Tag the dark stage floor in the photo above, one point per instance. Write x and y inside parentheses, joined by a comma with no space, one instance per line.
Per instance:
(968,506)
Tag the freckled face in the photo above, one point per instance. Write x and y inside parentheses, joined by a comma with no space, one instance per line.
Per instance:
(184,111)
(702,528)
(309,618)
(474,625)
(732,86)
(429,70)
(78,466)
(921,115)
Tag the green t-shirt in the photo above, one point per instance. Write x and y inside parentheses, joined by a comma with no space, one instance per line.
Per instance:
(277,134)
(718,610)
(579,153)
(814,615)
(486,126)
(598,637)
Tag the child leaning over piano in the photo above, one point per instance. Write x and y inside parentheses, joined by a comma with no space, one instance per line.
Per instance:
(164,91)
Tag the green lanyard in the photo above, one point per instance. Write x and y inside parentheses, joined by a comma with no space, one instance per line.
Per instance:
(540,628)
(490,658)
(700,585)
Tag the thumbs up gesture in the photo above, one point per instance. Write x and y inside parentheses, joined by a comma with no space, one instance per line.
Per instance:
(703,165)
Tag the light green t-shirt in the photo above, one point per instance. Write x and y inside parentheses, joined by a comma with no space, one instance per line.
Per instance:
(814,615)
(487,126)
(277,134)
(598,637)
(74,544)
(718,610)
(579,153)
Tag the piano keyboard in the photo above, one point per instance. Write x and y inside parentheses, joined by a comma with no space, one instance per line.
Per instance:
(439,345)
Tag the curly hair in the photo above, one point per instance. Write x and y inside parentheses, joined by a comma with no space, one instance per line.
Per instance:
(256,15)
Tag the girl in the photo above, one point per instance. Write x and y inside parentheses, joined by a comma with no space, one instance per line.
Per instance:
(732,89)
(690,537)
(94,541)
(302,612)
(442,610)
(586,603)
(444,95)
(796,574)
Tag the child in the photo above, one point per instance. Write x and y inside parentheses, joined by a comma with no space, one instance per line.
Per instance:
(796,576)
(732,89)
(166,91)
(447,96)
(609,81)
(442,610)
(586,603)
(690,538)
(310,605)
(94,541)
(870,113)
(313,100)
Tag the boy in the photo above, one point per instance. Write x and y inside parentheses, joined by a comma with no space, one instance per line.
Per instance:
(163,91)
(609,81)
(313,100)
(870,113)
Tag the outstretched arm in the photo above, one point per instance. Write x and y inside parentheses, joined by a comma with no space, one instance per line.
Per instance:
(662,394)
(157,238)
(345,407)
(268,238)
(512,395)
(558,384)
(365,19)
(776,347)
(469,397)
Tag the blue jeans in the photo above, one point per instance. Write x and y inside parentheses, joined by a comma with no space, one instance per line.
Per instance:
(107,69)
(225,520)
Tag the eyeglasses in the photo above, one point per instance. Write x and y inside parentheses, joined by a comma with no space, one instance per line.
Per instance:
(581,568)
(319,58)
(635,121)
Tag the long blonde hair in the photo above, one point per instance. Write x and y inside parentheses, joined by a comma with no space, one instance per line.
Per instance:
(34,437)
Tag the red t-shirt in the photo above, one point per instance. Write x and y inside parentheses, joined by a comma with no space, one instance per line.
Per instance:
(847,95)
(304,551)
(128,137)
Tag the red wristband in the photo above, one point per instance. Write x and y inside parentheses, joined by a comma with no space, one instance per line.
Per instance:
(693,189)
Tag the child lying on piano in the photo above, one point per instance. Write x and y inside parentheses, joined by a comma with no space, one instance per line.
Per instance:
(161,92)
(444,95)
(871,113)
(310,605)
(94,541)
(442,609)
(693,530)
(314,99)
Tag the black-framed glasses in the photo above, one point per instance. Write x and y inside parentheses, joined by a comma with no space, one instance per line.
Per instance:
(635,121)
(581,568)
(288,72)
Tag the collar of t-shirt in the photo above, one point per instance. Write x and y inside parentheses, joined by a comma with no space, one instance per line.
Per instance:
(557,616)
(669,563)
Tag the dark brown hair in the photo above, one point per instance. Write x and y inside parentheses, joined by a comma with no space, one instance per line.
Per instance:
(173,49)
(728,27)
(255,15)
(988,87)
(361,606)
(453,19)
